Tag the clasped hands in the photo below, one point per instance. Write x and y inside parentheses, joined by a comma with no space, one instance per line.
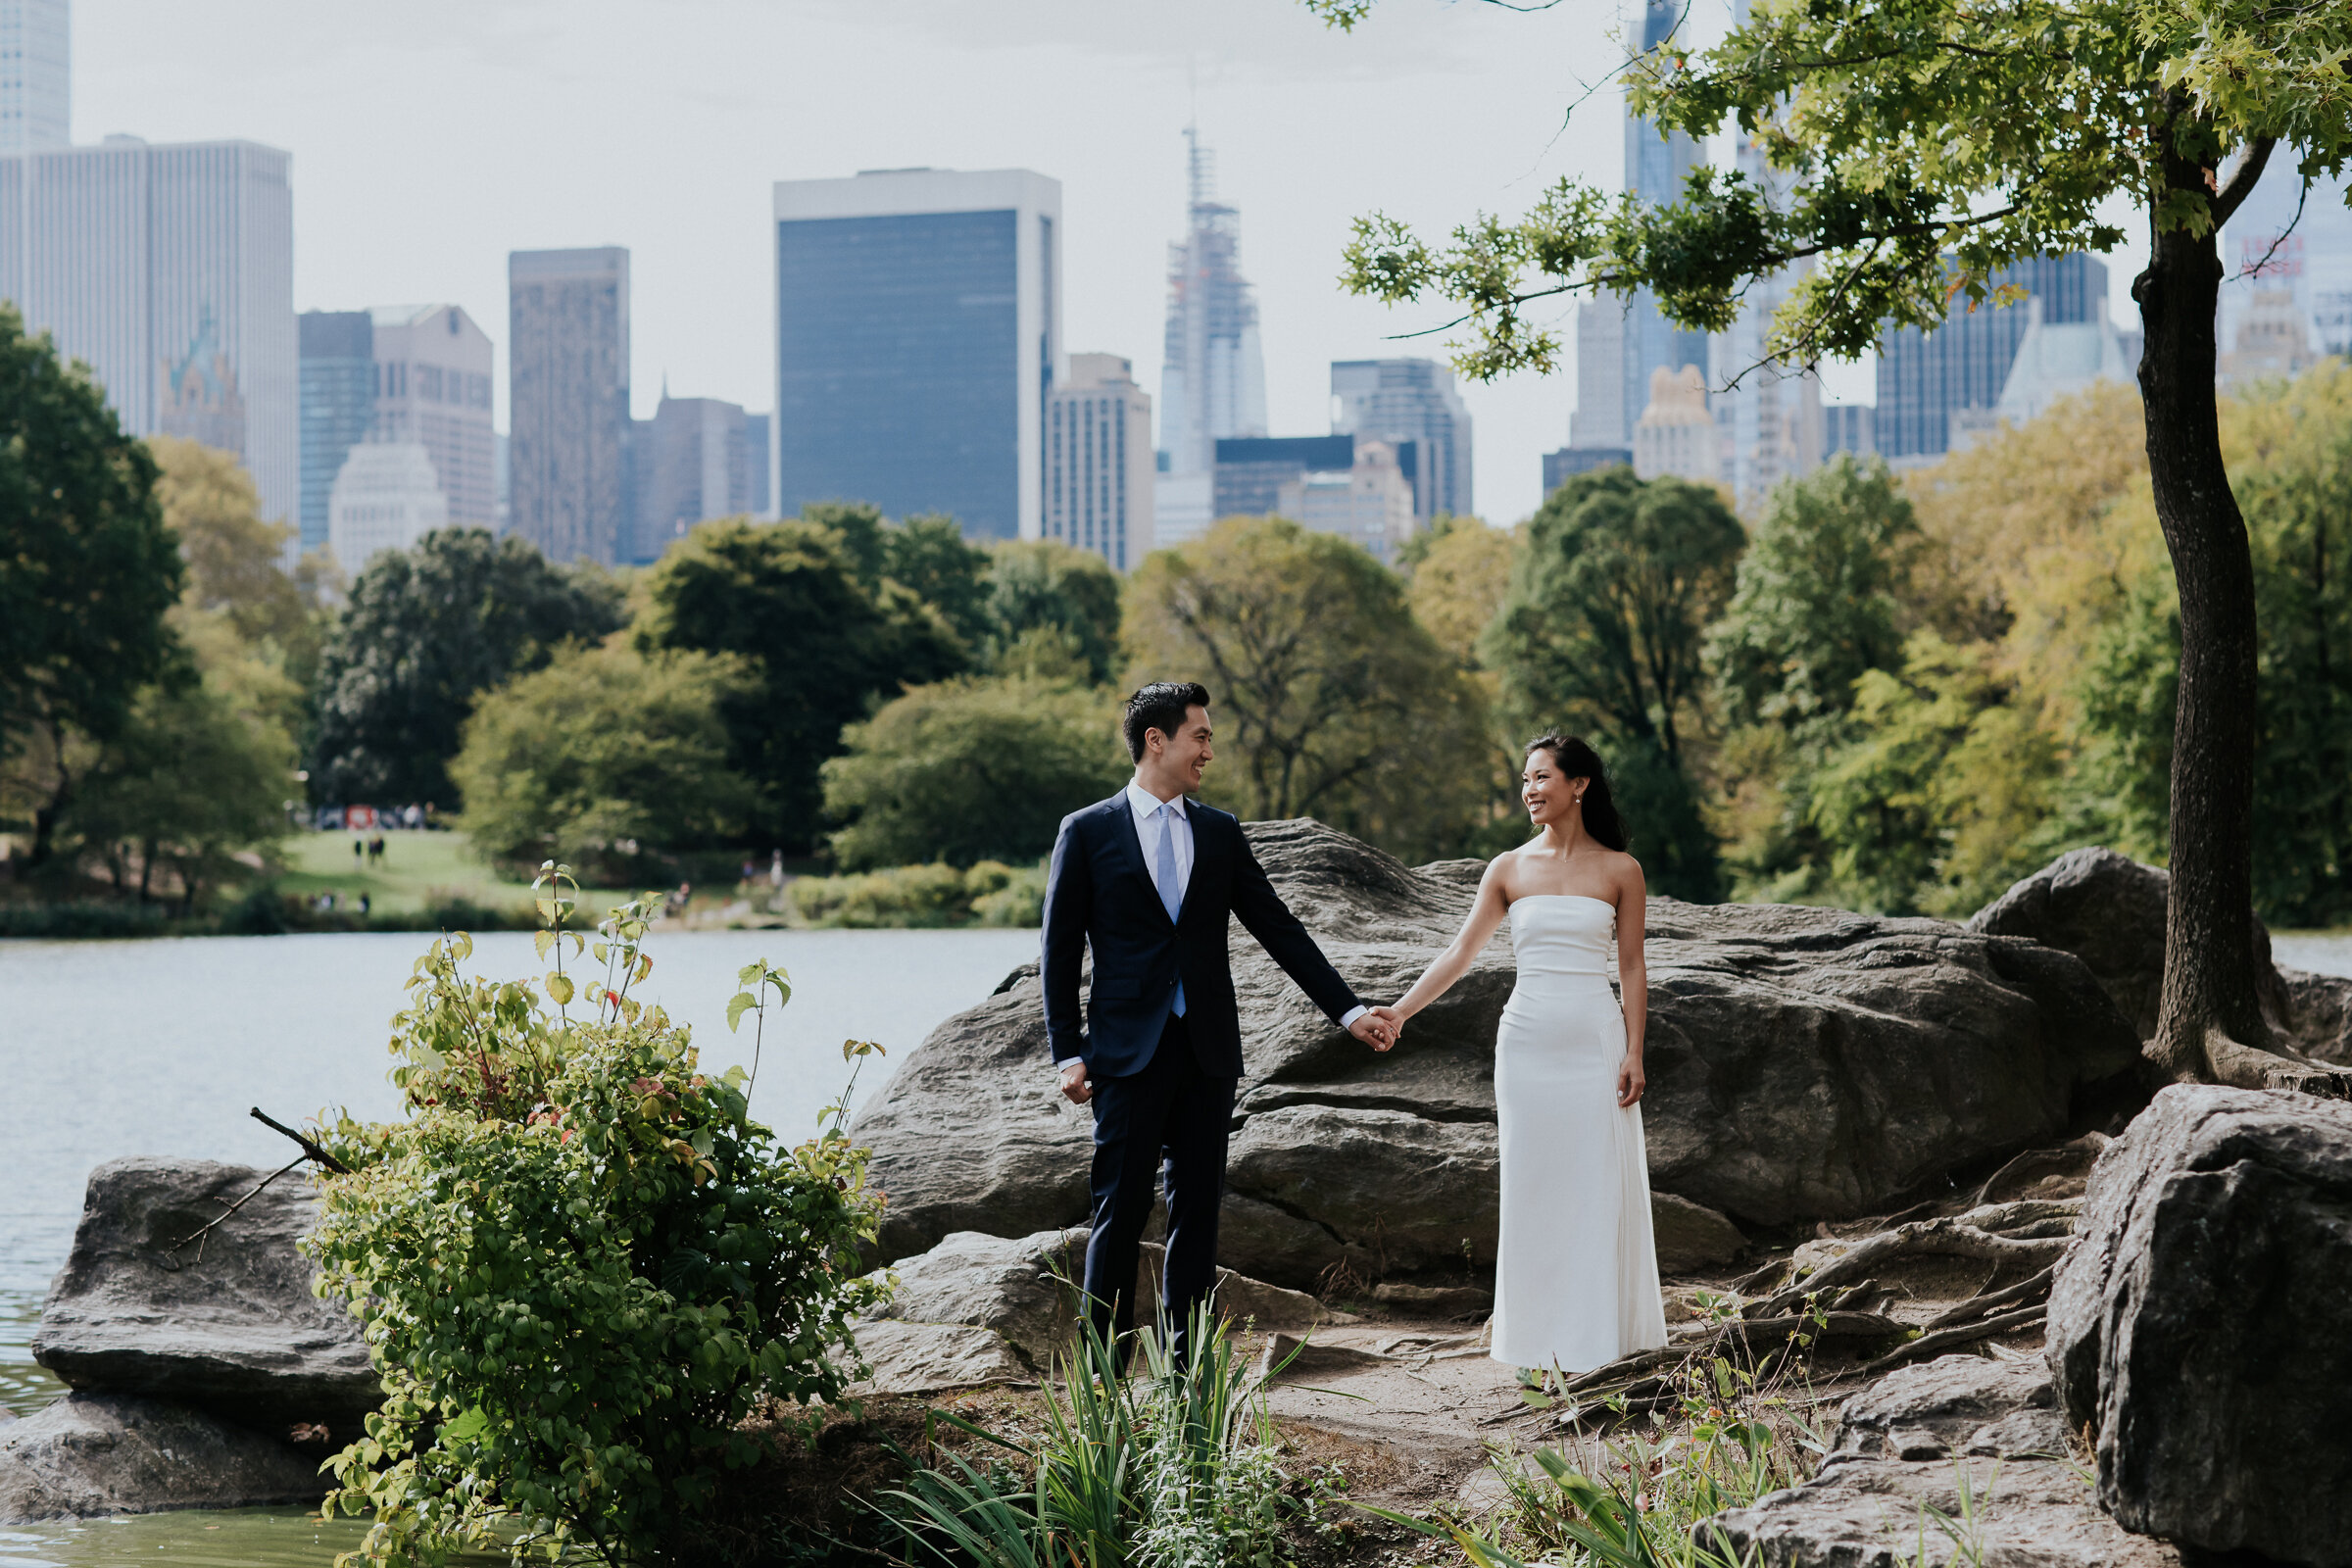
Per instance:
(1378,1027)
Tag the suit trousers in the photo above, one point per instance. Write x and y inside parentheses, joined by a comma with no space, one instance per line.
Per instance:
(1171,1115)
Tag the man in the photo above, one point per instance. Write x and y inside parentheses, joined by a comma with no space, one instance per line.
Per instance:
(1148,880)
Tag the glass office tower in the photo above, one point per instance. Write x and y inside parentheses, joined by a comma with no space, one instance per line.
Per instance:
(338,406)
(918,328)
(1925,378)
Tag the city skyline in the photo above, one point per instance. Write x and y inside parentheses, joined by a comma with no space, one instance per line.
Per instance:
(682,180)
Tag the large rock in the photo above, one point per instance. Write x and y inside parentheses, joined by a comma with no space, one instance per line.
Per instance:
(2108,911)
(229,1326)
(1804,1064)
(2200,1323)
(1911,1441)
(99,1454)
(981,1308)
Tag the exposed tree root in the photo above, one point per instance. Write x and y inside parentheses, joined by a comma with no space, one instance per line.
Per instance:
(1947,1339)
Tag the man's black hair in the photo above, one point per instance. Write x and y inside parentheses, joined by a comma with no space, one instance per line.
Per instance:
(1160,705)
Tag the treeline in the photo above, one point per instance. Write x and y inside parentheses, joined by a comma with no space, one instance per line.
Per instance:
(1891,693)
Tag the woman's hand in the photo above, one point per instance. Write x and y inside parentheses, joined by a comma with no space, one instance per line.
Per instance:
(1630,1082)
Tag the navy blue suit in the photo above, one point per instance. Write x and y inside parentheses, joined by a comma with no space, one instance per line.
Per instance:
(1163,1085)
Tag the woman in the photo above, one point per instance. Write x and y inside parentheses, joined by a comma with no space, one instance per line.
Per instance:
(1576,1274)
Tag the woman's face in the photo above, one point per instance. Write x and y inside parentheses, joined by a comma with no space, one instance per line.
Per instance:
(1551,796)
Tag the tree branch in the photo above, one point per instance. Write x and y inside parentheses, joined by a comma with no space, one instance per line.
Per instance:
(2231,196)
(310,1147)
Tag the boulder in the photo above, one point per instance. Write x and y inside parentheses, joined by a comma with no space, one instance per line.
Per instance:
(1804,1064)
(1911,1443)
(2200,1323)
(2109,910)
(1021,1296)
(99,1454)
(1692,1236)
(228,1326)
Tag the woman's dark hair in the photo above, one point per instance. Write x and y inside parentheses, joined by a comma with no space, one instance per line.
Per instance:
(1160,705)
(1577,759)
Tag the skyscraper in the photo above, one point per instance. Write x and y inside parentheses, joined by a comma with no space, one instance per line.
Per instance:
(169,270)
(1619,342)
(1925,379)
(1098,462)
(1212,376)
(918,327)
(35,78)
(2285,239)
(568,366)
(1398,401)
(695,461)
(432,387)
(1770,419)
(338,406)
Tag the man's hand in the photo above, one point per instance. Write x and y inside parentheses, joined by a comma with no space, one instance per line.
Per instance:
(1075,1083)
(1377,1028)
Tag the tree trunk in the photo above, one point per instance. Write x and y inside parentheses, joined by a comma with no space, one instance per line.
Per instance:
(2209,1023)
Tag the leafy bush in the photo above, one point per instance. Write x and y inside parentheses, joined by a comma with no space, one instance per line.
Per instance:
(579,1261)
(991,892)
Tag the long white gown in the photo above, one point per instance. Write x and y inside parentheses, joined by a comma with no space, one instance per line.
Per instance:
(1575,1277)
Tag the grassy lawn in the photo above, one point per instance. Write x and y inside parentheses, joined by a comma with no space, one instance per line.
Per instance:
(418,869)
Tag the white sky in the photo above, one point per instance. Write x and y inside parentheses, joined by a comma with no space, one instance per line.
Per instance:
(433,137)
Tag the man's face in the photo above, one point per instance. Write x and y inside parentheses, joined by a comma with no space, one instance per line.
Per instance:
(1186,754)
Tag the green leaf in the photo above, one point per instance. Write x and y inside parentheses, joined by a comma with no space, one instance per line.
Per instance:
(741,1002)
(559,986)
(752,973)
(542,940)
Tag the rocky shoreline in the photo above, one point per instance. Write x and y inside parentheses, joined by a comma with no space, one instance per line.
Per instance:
(1816,1078)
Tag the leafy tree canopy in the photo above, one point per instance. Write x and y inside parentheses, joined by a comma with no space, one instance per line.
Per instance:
(88,572)
(1042,585)
(425,631)
(974,768)
(1331,700)
(604,755)
(1819,595)
(793,600)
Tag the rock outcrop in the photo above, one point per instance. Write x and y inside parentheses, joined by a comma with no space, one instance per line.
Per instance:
(2201,1323)
(100,1453)
(228,1326)
(981,1308)
(2108,911)
(1911,1443)
(1804,1064)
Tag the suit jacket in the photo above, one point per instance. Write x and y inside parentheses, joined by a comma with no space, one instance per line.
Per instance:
(1099,894)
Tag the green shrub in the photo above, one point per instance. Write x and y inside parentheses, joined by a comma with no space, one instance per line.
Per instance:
(991,892)
(580,1263)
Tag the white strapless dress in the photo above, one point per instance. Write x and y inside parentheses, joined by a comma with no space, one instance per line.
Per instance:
(1575,1277)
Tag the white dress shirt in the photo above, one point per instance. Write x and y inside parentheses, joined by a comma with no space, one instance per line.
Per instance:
(1155,820)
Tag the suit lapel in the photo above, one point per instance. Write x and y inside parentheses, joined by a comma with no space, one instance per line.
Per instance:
(1129,837)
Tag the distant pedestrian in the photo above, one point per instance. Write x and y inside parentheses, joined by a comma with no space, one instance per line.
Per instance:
(365,904)
(358,851)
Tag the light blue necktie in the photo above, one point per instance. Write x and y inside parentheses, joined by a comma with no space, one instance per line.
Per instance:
(1163,876)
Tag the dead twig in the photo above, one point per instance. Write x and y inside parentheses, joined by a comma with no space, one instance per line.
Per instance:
(202,1233)
(1990,1328)
(311,1148)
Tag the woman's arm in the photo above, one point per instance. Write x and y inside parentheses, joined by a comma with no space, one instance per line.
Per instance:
(1633,978)
(1485,915)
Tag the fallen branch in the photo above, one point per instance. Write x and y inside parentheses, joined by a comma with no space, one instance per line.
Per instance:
(311,1148)
(1977,1305)
(1990,1328)
(203,1232)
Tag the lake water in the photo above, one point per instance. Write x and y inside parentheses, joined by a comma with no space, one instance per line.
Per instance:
(132,1047)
